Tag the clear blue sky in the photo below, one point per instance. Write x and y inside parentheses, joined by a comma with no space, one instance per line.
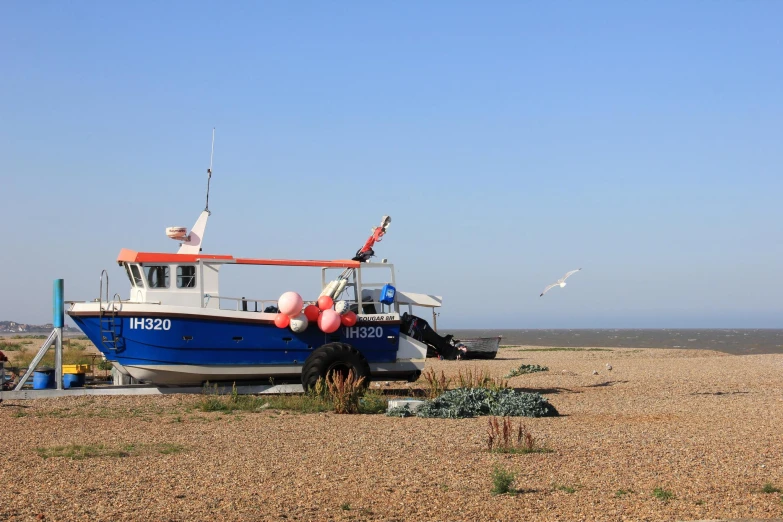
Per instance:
(509,141)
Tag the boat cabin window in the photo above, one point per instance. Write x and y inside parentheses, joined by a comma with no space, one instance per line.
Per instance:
(157,276)
(136,274)
(127,271)
(186,276)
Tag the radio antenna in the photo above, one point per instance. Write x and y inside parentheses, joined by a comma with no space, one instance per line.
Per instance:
(209,170)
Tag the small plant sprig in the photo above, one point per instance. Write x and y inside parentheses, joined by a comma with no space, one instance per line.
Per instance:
(502,437)
(345,391)
(436,385)
(527,368)
(769,488)
(502,479)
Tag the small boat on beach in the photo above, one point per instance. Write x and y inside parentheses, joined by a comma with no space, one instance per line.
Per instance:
(479,348)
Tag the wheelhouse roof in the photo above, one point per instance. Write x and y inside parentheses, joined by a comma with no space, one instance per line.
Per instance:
(131,256)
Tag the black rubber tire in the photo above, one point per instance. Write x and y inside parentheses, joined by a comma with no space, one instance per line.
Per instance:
(334,356)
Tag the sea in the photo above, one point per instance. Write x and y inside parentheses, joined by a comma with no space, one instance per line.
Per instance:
(733,341)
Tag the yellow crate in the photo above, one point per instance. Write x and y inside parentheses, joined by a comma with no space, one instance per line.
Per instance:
(76,368)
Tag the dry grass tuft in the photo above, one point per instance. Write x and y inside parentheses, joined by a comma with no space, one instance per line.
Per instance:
(436,385)
(480,379)
(345,391)
(503,438)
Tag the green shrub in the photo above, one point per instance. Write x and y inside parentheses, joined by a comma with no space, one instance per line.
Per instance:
(400,411)
(465,402)
(373,402)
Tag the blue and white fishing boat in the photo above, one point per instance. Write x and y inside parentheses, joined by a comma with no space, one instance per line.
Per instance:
(177,328)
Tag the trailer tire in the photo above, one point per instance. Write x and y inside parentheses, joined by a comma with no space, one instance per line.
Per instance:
(331,357)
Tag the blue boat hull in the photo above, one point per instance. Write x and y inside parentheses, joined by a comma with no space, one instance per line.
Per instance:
(202,341)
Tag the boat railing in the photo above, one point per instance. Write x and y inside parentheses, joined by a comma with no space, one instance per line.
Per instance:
(244,304)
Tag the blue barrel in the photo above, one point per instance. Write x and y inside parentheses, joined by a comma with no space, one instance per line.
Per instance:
(43,379)
(73,380)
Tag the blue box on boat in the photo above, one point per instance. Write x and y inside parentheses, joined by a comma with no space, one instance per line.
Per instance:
(73,380)
(43,379)
(387,294)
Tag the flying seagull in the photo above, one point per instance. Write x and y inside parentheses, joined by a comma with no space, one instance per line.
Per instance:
(560,282)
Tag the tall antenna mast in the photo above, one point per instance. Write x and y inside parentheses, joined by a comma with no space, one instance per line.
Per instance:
(209,170)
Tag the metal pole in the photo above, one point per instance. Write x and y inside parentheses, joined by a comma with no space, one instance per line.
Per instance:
(57,322)
(434,321)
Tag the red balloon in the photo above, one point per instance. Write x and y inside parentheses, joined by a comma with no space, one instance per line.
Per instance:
(282,320)
(348,318)
(311,312)
(325,302)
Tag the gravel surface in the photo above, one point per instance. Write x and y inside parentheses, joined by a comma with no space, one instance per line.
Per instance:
(703,426)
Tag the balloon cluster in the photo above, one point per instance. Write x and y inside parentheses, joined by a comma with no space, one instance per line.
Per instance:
(329,320)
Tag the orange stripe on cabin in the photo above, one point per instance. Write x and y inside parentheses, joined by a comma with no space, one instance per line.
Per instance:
(340,263)
(131,256)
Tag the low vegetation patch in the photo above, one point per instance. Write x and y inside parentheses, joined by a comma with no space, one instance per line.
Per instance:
(564,349)
(527,368)
(87,451)
(473,402)
(502,437)
(769,488)
(344,396)
(212,400)
(662,494)
(561,487)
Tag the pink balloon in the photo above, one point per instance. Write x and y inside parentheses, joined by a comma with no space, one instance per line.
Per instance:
(348,318)
(290,304)
(325,302)
(329,321)
(311,312)
(282,320)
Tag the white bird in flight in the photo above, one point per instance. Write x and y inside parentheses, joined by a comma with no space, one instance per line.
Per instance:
(560,282)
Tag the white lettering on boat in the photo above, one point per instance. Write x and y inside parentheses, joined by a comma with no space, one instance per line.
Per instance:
(145,323)
(373,318)
(364,332)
